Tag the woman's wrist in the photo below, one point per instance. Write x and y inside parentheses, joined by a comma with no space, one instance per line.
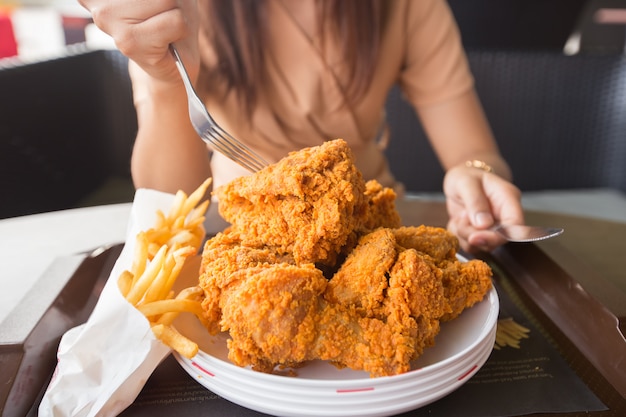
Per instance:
(149,88)
(479,164)
(491,164)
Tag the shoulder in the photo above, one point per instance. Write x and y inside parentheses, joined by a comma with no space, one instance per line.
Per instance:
(421,26)
(422,29)
(434,66)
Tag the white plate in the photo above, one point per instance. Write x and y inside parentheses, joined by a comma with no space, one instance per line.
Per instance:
(255,397)
(461,348)
(332,398)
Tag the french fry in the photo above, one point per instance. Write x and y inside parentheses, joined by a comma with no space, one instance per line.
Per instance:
(193,223)
(155,290)
(141,256)
(199,211)
(179,257)
(177,206)
(160,222)
(140,287)
(175,340)
(187,294)
(190,293)
(159,307)
(196,196)
(178,223)
(181,238)
(509,333)
(125,282)
(157,236)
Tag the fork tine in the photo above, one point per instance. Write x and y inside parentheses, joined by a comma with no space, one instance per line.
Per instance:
(236,150)
(233,149)
(239,148)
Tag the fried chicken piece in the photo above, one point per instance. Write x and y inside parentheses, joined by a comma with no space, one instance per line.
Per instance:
(381,207)
(307,204)
(416,283)
(437,242)
(223,256)
(382,347)
(465,284)
(271,314)
(362,278)
(416,290)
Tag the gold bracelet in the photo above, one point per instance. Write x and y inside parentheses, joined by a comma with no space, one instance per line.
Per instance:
(476,163)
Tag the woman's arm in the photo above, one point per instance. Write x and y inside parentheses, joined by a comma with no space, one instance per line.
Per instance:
(168,154)
(458,131)
(476,198)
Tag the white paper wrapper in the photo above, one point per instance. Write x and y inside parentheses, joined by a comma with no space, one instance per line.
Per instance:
(104,363)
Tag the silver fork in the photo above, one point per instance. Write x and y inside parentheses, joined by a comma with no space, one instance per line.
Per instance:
(209,131)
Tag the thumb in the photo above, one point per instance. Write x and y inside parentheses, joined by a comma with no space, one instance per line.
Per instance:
(468,194)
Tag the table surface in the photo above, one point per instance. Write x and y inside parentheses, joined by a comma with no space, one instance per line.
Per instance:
(29,244)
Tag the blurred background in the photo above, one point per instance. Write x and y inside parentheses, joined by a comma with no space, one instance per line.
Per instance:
(551,74)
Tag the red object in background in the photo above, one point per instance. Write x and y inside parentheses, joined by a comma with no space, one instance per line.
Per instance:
(8,45)
(74,29)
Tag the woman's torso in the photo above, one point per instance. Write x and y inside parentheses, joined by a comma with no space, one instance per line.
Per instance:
(304,101)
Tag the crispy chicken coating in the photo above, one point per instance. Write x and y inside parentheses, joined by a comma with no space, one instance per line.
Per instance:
(465,284)
(271,314)
(437,242)
(223,256)
(362,279)
(381,207)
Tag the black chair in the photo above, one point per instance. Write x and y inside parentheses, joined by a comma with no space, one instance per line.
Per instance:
(560,121)
(517,24)
(66,126)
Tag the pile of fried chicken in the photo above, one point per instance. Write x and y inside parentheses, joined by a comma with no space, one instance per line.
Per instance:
(315,265)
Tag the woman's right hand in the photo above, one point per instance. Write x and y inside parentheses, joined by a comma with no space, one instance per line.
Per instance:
(143,30)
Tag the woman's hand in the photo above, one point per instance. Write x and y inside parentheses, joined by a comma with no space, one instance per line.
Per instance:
(477,200)
(143,30)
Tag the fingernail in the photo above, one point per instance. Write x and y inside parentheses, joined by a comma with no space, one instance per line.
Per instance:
(483,219)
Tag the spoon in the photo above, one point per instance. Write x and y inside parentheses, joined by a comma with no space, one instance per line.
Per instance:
(523,233)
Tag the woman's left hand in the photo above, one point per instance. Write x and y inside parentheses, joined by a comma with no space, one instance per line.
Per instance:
(476,201)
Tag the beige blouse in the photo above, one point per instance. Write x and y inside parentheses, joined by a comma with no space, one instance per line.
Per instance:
(304,103)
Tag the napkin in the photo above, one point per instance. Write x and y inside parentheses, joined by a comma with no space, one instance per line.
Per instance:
(104,363)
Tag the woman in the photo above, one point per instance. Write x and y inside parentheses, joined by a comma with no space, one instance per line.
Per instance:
(280,75)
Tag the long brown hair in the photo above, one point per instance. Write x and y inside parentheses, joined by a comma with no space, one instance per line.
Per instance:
(236,28)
